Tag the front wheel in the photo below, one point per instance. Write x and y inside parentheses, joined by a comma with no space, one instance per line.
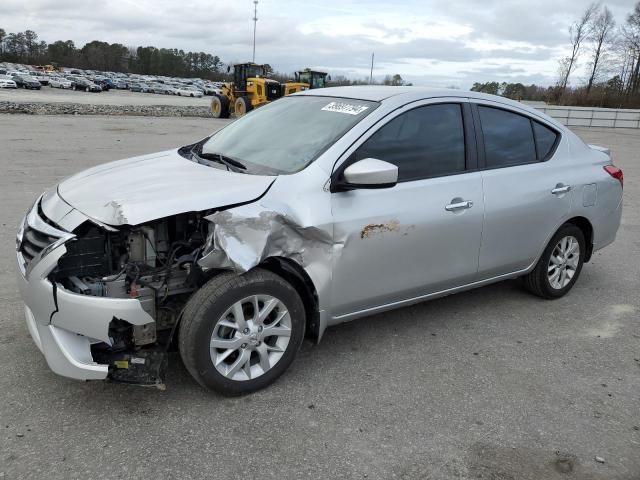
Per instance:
(220,106)
(240,333)
(242,106)
(560,265)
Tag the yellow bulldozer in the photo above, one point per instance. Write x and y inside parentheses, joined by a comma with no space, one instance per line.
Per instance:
(251,89)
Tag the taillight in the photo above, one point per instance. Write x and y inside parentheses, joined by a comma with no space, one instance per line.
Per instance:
(616,173)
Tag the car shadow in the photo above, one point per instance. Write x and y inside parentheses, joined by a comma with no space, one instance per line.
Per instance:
(315,362)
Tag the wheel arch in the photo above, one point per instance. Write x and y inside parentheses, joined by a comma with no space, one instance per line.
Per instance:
(296,275)
(587,230)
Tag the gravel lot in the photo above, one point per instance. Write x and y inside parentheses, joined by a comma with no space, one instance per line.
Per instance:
(493,383)
(112,97)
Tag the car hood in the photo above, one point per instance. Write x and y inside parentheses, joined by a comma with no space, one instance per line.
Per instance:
(145,188)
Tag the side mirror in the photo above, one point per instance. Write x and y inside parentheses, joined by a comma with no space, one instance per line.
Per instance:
(367,173)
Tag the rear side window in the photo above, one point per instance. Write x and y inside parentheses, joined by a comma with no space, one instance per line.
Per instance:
(508,138)
(545,140)
(424,142)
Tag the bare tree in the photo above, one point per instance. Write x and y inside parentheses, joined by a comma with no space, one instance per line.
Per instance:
(578,33)
(602,30)
(631,34)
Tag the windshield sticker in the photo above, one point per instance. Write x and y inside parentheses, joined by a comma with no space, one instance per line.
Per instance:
(341,107)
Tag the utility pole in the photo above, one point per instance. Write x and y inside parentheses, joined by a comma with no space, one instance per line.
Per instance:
(255,21)
(371,74)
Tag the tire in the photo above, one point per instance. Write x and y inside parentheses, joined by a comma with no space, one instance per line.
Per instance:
(73,87)
(214,303)
(86,89)
(242,106)
(539,282)
(219,106)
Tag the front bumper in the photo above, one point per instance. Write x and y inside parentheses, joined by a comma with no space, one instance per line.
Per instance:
(64,324)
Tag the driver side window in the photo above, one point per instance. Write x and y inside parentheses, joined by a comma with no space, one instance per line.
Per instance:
(424,142)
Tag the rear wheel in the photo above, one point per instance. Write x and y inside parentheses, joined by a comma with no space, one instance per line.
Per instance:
(560,264)
(86,89)
(242,106)
(240,333)
(220,106)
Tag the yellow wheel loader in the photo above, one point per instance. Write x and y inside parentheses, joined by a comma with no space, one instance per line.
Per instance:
(306,79)
(249,89)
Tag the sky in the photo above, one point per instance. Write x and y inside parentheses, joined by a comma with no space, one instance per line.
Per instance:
(430,42)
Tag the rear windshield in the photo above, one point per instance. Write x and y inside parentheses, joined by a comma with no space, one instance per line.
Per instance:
(288,134)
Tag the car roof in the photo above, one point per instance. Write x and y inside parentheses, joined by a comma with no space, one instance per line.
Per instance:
(407,94)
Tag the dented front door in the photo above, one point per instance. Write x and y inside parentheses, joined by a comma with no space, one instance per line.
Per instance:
(416,238)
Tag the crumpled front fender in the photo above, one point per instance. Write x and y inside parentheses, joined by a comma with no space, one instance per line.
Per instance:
(242,238)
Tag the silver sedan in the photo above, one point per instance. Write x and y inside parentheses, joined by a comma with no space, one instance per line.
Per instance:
(316,209)
(60,82)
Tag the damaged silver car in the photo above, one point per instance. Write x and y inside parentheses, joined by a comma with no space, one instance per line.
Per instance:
(319,208)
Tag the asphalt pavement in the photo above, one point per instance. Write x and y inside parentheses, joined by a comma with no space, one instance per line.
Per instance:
(492,383)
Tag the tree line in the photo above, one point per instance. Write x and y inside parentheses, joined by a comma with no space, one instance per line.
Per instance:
(612,59)
(26,48)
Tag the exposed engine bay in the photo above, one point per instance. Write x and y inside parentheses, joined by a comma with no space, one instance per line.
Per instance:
(155,263)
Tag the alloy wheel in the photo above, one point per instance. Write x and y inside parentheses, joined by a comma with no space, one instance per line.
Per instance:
(563,262)
(250,337)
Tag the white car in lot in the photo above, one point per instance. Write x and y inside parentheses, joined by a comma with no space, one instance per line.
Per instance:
(7,82)
(212,89)
(189,92)
(59,82)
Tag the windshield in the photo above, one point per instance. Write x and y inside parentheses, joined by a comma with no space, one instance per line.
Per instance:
(288,134)
(304,77)
(255,71)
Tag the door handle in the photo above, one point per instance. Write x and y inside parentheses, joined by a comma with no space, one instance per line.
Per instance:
(560,188)
(452,207)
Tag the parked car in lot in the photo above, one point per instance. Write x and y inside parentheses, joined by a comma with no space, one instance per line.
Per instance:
(105,84)
(211,89)
(43,79)
(60,82)
(376,198)
(139,87)
(160,89)
(26,81)
(81,83)
(7,82)
(189,92)
(121,84)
